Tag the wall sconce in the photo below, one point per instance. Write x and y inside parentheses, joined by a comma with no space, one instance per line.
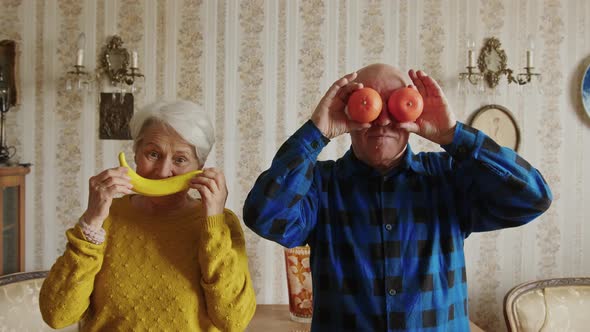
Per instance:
(114,64)
(492,63)
(79,79)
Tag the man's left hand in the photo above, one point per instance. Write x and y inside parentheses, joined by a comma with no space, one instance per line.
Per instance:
(437,122)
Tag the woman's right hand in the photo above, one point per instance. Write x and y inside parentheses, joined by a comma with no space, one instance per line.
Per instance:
(103,187)
(329,116)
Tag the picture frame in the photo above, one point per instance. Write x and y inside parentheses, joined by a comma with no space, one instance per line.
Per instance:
(498,123)
(8,66)
(115,114)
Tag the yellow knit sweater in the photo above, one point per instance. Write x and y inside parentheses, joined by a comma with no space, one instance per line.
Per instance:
(181,272)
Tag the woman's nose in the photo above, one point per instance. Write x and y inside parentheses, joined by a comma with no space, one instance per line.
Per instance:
(165,169)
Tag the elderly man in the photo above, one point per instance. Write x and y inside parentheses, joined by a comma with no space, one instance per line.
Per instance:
(386,226)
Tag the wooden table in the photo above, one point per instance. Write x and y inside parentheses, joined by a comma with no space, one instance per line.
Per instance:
(275,317)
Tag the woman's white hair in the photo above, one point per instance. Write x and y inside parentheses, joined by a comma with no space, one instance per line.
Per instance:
(188,119)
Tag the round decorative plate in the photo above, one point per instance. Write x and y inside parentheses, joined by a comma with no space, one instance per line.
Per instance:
(586,91)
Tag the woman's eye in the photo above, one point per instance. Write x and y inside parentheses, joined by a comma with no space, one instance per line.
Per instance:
(153,155)
(181,160)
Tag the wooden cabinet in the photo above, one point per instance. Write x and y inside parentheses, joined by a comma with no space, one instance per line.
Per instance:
(12,219)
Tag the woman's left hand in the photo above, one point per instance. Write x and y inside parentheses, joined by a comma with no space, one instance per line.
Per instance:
(213,189)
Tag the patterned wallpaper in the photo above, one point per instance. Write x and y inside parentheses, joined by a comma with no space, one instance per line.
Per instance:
(260,66)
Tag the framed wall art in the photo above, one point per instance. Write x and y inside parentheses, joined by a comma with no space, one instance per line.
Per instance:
(497,122)
(115,114)
(8,68)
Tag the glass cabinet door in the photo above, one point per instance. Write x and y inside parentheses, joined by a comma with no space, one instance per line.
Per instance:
(10,234)
(12,219)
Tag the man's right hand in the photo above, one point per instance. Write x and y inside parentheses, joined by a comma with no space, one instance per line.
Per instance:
(329,116)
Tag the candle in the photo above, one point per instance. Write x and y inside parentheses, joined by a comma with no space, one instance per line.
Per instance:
(470,46)
(134,59)
(529,58)
(80,57)
(81,46)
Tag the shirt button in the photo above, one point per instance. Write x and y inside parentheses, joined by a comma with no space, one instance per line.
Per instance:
(388,227)
(392,292)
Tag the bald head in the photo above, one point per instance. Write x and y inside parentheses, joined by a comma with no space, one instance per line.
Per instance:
(382,77)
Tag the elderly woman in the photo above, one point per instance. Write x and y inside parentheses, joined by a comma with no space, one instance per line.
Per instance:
(155,263)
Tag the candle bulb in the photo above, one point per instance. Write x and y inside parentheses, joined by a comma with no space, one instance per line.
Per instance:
(134,60)
(529,52)
(80,57)
(470,54)
(529,59)
(81,45)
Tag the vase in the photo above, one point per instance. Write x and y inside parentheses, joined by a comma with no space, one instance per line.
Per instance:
(299,284)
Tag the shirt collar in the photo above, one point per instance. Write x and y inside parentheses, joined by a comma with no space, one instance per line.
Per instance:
(354,166)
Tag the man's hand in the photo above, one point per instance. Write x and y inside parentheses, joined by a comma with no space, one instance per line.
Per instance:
(437,122)
(329,116)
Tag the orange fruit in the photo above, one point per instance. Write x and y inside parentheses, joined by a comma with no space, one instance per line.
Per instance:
(364,105)
(405,104)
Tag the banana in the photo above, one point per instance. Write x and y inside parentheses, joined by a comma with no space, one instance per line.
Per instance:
(161,187)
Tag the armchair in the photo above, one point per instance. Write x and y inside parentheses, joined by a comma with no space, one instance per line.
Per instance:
(19,302)
(559,304)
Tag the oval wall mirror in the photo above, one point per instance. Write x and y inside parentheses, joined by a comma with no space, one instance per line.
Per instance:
(115,60)
(492,61)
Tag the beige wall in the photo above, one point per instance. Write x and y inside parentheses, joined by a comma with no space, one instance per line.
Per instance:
(260,66)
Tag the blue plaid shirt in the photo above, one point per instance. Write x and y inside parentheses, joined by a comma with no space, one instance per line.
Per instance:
(387,250)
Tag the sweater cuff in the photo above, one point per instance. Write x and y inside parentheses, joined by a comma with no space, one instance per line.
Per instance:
(215,221)
(464,142)
(215,228)
(77,239)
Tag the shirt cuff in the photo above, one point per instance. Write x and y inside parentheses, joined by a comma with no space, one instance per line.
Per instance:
(311,138)
(464,142)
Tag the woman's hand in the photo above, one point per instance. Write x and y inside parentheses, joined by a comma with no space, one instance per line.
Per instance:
(329,116)
(103,187)
(213,189)
(437,122)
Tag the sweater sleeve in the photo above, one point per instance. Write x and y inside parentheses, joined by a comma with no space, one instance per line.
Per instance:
(65,293)
(499,188)
(226,281)
(283,204)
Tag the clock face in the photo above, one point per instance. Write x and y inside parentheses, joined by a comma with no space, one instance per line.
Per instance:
(497,122)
